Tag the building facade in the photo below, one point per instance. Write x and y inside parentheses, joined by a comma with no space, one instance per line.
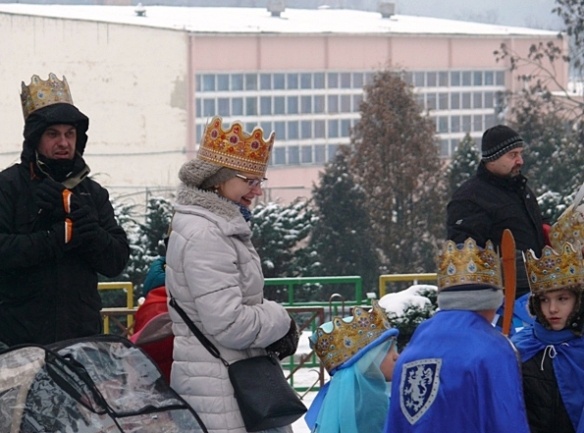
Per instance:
(150,83)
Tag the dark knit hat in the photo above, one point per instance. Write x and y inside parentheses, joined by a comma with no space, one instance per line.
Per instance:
(499,140)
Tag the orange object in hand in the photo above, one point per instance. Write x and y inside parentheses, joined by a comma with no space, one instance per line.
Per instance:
(68,223)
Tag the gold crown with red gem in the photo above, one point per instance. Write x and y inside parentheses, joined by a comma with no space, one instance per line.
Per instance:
(40,93)
(345,337)
(468,264)
(554,270)
(234,148)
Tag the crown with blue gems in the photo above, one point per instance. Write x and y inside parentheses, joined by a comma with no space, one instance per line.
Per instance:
(40,93)
(554,270)
(468,264)
(348,335)
(234,148)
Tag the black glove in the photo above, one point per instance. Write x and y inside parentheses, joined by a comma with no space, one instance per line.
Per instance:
(49,198)
(287,345)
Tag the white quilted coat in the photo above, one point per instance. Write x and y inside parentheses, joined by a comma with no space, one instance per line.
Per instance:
(214,273)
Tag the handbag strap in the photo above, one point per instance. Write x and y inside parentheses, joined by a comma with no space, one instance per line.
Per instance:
(204,340)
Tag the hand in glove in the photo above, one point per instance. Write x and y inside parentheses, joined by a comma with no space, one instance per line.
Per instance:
(79,229)
(287,345)
(48,196)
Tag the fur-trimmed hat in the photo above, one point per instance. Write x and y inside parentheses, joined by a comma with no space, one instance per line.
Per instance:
(499,140)
(224,152)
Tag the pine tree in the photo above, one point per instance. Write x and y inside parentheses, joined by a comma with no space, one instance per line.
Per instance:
(341,234)
(463,165)
(395,160)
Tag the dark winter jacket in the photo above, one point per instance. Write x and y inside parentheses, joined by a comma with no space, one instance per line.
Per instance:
(485,205)
(545,409)
(48,293)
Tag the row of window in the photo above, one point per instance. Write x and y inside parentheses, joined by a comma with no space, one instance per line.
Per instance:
(465,123)
(340,80)
(307,154)
(334,104)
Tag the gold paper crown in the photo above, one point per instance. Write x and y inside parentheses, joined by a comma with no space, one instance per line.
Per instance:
(235,149)
(468,265)
(348,337)
(554,270)
(40,93)
(568,228)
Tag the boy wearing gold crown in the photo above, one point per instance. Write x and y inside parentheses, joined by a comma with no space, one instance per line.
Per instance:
(57,226)
(552,349)
(215,275)
(458,374)
(359,353)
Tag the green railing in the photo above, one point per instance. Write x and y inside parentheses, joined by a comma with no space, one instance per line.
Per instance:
(291,283)
(414,278)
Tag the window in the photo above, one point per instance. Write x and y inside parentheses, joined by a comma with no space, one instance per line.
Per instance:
(292,104)
(333,104)
(306,81)
(280,130)
(279,105)
(306,104)
(489,121)
(477,122)
(306,129)
(251,82)
(223,107)
(357,80)
(319,154)
(466,78)
(279,155)
(489,78)
(444,148)
(477,78)
(265,81)
(466,124)
(455,78)
(345,127)
(237,106)
(293,155)
(267,128)
(319,129)
(292,81)
(466,101)
(293,133)
(489,101)
(333,80)
(306,154)
(455,124)
(237,82)
(279,81)
(332,151)
(345,80)
(223,82)
(345,103)
(431,79)
(333,128)
(442,101)
(500,78)
(442,124)
(208,83)
(455,101)
(198,107)
(419,79)
(443,79)
(209,107)
(357,99)
(265,105)
(319,80)
(251,106)
(431,101)
(319,103)
(477,100)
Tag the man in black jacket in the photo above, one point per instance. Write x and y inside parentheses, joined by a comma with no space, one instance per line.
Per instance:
(498,198)
(57,226)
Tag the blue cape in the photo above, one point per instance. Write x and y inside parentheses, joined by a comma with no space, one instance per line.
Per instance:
(568,363)
(458,374)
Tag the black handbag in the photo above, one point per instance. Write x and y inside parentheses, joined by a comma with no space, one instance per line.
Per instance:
(265,398)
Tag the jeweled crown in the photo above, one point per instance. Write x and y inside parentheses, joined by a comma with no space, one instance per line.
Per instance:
(468,264)
(234,148)
(568,228)
(349,335)
(554,270)
(40,93)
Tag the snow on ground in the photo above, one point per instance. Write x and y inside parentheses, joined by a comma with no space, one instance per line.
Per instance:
(398,302)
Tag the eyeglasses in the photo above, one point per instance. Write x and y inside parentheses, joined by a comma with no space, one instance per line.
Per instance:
(252,183)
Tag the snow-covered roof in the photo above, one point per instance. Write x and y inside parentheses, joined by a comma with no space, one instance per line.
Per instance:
(259,20)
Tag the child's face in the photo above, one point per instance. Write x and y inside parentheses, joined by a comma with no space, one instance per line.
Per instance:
(557,306)
(388,362)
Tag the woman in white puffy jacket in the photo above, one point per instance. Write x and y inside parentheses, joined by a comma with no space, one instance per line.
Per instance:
(214,273)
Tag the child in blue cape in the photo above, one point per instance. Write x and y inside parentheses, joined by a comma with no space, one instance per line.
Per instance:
(552,349)
(358,352)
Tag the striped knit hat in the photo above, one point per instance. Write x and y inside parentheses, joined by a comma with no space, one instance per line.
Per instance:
(499,140)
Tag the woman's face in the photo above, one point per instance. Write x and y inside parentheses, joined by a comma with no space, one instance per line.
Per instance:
(388,362)
(557,306)
(241,189)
